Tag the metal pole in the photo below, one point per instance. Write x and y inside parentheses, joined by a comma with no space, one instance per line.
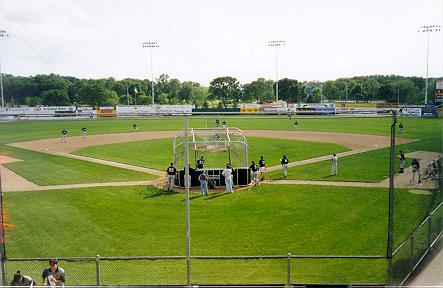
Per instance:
(346,89)
(2,236)
(427,66)
(429,232)
(321,93)
(1,76)
(288,280)
(188,213)
(276,73)
(152,81)
(390,243)
(97,269)
(411,250)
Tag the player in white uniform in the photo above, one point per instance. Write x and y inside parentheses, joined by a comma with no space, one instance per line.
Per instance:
(334,165)
(227,173)
(84,131)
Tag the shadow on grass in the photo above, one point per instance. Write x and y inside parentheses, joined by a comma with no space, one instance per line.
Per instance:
(329,176)
(216,195)
(149,193)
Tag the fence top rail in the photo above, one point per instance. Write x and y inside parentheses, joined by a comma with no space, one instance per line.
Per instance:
(72,259)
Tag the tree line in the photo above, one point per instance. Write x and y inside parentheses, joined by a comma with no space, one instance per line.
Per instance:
(56,90)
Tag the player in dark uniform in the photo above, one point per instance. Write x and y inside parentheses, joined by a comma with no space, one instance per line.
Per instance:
(217,123)
(262,168)
(254,173)
(284,164)
(400,126)
(224,124)
(64,133)
(402,162)
(134,127)
(171,176)
(200,163)
(84,131)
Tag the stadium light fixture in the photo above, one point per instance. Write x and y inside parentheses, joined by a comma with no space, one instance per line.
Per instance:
(428,29)
(3,34)
(276,44)
(151,45)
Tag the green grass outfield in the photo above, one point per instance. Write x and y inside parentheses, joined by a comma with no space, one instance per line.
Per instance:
(29,130)
(158,153)
(266,220)
(428,131)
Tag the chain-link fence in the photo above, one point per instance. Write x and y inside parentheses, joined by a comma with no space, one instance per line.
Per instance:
(105,193)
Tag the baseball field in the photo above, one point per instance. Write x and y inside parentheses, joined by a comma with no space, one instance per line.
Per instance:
(121,209)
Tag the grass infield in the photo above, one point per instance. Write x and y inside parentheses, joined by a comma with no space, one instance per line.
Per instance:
(158,153)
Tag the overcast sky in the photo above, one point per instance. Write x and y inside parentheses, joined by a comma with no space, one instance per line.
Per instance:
(204,39)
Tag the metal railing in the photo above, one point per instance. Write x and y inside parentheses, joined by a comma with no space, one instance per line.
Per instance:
(164,270)
(412,251)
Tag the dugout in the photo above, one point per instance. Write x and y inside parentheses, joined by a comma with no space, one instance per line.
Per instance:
(218,146)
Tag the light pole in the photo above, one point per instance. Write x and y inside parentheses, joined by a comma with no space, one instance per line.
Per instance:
(3,34)
(151,45)
(276,44)
(428,29)
(346,91)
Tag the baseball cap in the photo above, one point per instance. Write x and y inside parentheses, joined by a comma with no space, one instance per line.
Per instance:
(53,261)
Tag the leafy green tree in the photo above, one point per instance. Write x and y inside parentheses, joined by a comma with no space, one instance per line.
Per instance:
(55,97)
(330,90)
(225,89)
(290,90)
(33,101)
(259,90)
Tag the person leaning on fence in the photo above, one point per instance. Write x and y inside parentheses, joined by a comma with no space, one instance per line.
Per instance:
(22,280)
(54,275)
(203,178)
(170,176)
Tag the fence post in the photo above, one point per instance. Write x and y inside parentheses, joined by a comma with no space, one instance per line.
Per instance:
(411,249)
(429,231)
(390,244)
(97,269)
(288,280)
(2,238)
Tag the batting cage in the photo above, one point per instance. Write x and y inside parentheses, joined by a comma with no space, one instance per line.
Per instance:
(217,147)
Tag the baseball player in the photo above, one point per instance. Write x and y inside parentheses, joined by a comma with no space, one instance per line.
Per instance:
(224,124)
(200,163)
(284,163)
(254,173)
(402,162)
(84,131)
(64,133)
(217,123)
(134,127)
(415,171)
(296,124)
(227,173)
(400,127)
(170,174)
(334,164)
(262,168)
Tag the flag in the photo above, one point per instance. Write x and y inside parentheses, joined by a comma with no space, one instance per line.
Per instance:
(135,90)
